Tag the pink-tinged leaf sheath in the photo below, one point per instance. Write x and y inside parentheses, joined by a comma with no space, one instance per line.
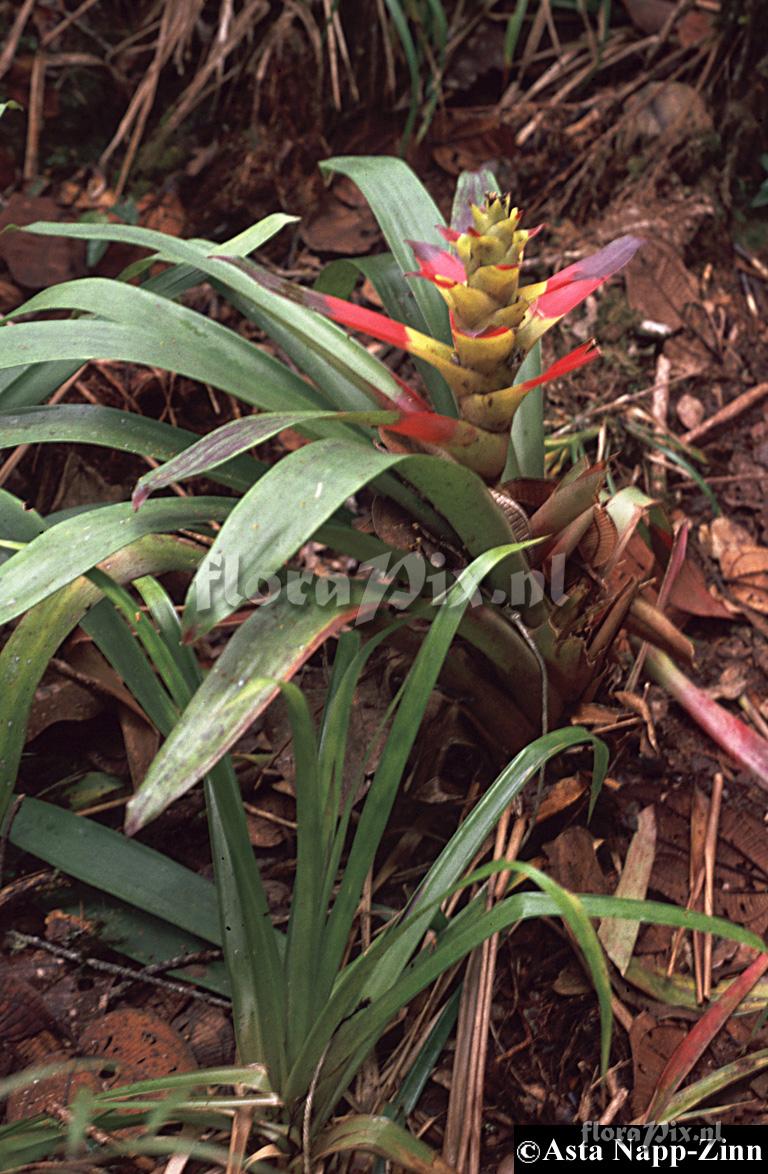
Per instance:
(483,452)
(495,409)
(565,290)
(737,739)
(692,1048)
(437,265)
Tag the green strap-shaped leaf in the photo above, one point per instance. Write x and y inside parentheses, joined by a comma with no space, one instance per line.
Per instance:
(405,211)
(112,428)
(124,868)
(270,646)
(27,652)
(323,337)
(287,505)
(23,386)
(75,545)
(236,437)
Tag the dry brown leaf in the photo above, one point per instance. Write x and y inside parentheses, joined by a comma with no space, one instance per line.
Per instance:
(659,285)
(743,562)
(30,265)
(652,1045)
(268,819)
(341,222)
(143,1045)
(52,1092)
(573,862)
(690,410)
(670,109)
(61,700)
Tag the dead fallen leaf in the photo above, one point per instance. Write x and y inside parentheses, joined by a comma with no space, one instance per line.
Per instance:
(143,1045)
(164,213)
(10,296)
(743,563)
(672,109)
(52,1092)
(341,222)
(652,1045)
(690,410)
(658,284)
(61,700)
(23,1010)
(141,741)
(30,265)
(208,1032)
(564,793)
(573,862)
(269,819)
(688,357)
(649,16)
(619,937)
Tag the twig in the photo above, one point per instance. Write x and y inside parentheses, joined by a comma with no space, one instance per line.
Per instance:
(14,36)
(55,32)
(125,972)
(659,411)
(35,115)
(735,408)
(710,852)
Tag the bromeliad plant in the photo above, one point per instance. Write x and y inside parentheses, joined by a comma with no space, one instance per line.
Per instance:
(455,462)
(462,462)
(495,321)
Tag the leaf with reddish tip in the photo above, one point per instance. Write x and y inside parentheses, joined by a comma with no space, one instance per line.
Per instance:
(437,265)
(575,359)
(576,282)
(701,1035)
(237,437)
(271,646)
(564,291)
(482,451)
(736,738)
(349,314)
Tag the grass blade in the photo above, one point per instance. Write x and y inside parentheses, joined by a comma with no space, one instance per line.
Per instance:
(27,652)
(75,545)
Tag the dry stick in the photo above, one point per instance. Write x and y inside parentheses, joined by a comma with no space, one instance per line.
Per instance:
(341,41)
(699,809)
(172,28)
(617,1100)
(35,116)
(463,1127)
(53,33)
(710,852)
(333,60)
(25,939)
(14,36)
(193,94)
(660,410)
(735,408)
